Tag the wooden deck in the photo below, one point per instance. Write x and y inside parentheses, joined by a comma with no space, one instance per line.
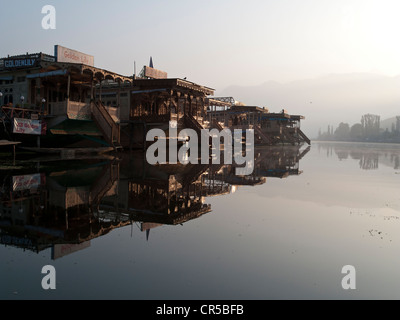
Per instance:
(70,150)
(4,143)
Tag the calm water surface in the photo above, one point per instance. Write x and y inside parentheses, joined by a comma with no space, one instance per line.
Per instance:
(127,230)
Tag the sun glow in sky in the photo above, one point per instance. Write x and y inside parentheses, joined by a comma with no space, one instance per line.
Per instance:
(371,31)
(217,43)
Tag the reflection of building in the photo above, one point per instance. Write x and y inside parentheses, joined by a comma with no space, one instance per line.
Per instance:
(38,212)
(65,210)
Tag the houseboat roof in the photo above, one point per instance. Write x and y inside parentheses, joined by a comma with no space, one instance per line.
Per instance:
(264,111)
(170,83)
(218,103)
(85,71)
(41,66)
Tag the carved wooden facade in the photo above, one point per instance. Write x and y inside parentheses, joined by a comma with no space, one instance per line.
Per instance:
(161,100)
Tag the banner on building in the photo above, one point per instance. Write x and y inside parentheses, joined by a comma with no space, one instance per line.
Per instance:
(28,181)
(154,73)
(68,55)
(29,126)
(61,250)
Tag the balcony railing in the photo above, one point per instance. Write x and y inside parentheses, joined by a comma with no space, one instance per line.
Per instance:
(24,113)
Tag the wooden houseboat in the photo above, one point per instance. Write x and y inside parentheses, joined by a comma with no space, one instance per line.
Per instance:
(51,102)
(269,128)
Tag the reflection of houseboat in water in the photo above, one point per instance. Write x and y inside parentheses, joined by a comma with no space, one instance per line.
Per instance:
(48,102)
(65,210)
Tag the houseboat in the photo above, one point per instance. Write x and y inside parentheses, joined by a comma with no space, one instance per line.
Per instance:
(53,103)
(49,102)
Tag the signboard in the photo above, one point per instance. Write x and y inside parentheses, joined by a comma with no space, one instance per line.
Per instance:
(27,182)
(154,73)
(28,61)
(16,241)
(29,126)
(47,58)
(72,56)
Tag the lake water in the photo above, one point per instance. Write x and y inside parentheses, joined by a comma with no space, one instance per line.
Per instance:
(127,230)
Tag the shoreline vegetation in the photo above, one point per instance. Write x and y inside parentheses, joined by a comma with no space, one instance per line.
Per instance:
(367,130)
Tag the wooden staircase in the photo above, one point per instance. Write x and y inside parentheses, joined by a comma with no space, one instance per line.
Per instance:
(192,123)
(301,134)
(107,125)
(261,134)
(217,125)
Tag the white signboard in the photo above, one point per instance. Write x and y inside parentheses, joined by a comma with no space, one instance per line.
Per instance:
(28,126)
(26,182)
(68,55)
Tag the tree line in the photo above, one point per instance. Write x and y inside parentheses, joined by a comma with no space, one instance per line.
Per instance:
(367,130)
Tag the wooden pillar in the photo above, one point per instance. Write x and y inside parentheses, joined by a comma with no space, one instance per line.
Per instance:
(91,91)
(68,86)
(119,94)
(101,81)
(39,84)
(178,95)
(57,91)
(46,109)
(190,99)
(185,105)
(30,95)
(95,93)
(66,219)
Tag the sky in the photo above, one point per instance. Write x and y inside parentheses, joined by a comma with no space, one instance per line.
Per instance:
(216,43)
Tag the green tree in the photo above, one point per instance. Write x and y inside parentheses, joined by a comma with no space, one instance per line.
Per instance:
(356,132)
(342,132)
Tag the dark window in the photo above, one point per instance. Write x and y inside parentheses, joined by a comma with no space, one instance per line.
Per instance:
(8,99)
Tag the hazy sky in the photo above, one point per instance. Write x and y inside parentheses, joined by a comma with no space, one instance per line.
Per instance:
(216,43)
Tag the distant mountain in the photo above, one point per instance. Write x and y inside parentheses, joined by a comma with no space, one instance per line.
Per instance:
(326,100)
